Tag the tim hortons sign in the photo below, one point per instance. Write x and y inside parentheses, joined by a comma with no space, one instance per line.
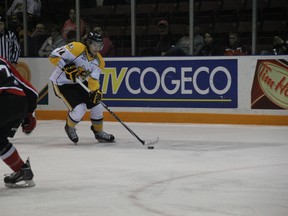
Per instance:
(270,85)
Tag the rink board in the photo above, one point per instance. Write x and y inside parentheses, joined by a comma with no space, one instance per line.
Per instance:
(182,89)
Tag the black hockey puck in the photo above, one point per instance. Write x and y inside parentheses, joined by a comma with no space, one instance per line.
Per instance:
(150,147)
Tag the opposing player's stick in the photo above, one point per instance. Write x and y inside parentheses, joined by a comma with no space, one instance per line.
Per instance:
(147,143)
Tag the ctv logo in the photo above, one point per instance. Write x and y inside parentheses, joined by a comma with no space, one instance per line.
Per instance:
(171,80)
(171,83)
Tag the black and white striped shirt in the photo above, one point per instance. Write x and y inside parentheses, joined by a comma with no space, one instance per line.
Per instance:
(9,46)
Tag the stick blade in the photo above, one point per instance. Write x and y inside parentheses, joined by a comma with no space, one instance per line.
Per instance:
(151,142)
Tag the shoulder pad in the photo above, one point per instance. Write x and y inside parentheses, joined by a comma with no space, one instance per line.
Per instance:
(76,48)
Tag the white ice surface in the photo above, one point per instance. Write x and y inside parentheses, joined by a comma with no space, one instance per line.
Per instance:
(194,170)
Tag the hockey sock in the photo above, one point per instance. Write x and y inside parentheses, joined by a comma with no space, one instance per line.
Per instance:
(12,158)
(70,122)
(97,124)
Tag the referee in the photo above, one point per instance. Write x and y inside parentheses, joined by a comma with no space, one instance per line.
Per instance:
(9,45)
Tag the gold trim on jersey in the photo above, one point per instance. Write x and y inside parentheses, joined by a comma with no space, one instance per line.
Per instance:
(59,94)
(54,59)
(93,84)
(76,48)
(101,61)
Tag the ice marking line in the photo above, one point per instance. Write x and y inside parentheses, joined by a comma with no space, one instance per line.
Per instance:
(137,201)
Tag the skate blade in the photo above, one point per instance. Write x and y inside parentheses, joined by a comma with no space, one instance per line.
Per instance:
(21,184)
(105,141)
(75,141)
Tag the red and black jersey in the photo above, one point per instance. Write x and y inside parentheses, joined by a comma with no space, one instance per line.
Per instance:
(12,82)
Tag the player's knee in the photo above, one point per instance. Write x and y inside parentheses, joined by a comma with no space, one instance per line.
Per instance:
(96,112)
(78,112)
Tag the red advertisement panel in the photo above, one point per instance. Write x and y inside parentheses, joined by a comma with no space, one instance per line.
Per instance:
(270,85)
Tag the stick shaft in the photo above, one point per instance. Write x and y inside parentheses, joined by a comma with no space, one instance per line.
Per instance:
(120,121)
(113,114)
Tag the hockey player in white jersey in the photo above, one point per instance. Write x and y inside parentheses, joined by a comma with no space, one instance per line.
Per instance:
(82,61)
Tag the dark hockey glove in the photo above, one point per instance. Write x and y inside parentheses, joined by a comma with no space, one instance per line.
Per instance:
(71,71)
(95,96)
(29,123)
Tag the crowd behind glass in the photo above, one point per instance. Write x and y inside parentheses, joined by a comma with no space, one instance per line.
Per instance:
(46,34)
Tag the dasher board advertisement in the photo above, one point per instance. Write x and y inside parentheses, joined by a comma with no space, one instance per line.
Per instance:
(270,85)
(174,83)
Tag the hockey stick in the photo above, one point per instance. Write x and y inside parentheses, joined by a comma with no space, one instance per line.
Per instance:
(147,143)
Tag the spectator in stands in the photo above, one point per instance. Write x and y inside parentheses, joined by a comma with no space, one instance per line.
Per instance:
(70,24)
(88,28)
(52,42)
(166,39)
(36,39)
(235,48)
(15,13)
(108,47)
(182,46)
(210,48)
(280,47)
(71,36)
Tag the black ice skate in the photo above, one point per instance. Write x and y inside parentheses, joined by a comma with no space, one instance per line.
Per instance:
(101,136)
(21,179)
(71,132)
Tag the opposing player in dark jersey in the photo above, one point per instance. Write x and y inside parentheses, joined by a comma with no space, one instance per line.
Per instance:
(18,101)
(82,61)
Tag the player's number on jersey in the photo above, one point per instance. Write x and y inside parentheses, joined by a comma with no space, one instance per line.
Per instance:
(61,51)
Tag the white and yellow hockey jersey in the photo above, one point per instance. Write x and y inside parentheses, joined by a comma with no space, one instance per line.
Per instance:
(76,53)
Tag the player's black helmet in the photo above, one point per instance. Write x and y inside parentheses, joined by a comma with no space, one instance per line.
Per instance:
(95,37)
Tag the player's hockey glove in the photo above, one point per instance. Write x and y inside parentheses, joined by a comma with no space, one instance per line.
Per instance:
(95,96)
(29,123)
(71,71)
